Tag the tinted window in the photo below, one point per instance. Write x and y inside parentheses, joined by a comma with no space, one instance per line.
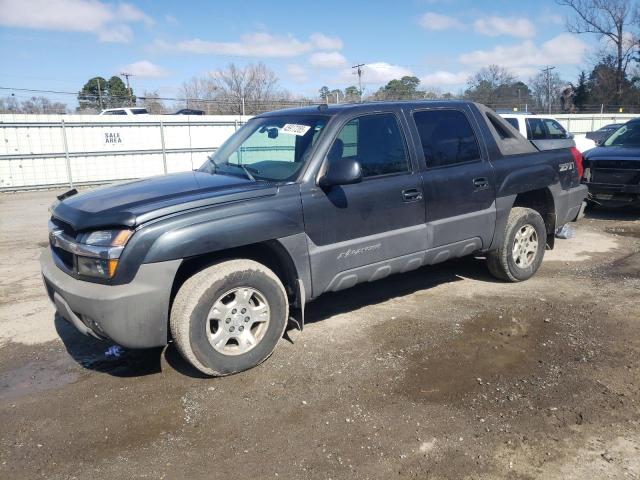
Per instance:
(447,137)
(513,122)
(376,142)
(554,129)
(139,111)
(535,129)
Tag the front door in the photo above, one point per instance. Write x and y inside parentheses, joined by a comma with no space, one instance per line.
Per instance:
(354,231)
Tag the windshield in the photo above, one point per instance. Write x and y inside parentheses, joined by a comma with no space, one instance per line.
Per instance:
(270,148)
(626,136)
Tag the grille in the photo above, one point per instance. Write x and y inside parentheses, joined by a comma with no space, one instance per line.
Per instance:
(66,257)
(615,172)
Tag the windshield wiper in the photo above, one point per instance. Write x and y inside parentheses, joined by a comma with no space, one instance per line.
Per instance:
(246,170)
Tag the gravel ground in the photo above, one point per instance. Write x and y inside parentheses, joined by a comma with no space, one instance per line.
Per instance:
(438,373)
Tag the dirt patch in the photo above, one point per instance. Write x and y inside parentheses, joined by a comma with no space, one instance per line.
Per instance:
(496,346)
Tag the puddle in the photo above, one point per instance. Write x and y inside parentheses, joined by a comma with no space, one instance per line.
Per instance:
(628,266)
(37,376)
(488,349)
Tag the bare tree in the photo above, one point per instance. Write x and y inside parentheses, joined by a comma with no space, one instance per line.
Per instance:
(490,84)
(250,89)
(152,102)
(246,88)
(540,90)
(614,20)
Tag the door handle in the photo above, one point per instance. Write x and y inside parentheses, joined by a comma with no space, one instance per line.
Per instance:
(412,195)
(480,183)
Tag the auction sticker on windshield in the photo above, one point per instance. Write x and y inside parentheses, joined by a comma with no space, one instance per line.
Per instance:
(295,129)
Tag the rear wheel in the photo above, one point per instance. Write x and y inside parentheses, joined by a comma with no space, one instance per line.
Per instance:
(523,249)
(229,317)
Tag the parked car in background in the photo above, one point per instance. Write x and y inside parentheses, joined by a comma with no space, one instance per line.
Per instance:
(189,111)
(612,170)
(125,111)
(295,204)
(546,132)
(602,133)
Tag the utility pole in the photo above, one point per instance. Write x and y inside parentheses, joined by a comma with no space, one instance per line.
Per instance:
(547,72)
(126,76)
(99,95)
(359,70)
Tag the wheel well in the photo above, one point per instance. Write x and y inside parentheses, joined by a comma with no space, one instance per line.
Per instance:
(540,200)
(270,253)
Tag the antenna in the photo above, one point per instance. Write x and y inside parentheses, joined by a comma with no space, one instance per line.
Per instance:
(359,70)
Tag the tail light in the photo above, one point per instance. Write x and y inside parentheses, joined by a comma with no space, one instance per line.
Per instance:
(577,159)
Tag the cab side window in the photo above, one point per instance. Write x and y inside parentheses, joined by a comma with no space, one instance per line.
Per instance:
(376,142)
(447,137)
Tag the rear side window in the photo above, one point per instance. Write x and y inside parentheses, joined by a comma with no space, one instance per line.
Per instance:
(554,129)
(139,111)
(513,122)
(376,141)
(535,129)
(447,137)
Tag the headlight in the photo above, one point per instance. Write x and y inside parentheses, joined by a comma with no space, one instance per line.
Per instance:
(99,257)
(105,238)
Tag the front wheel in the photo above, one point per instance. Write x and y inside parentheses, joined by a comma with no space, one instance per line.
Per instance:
(523,248)
(229,317)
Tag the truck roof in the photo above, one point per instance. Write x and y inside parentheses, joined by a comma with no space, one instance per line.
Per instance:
(334,109)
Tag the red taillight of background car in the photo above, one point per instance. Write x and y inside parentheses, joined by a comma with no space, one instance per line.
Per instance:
(577,159)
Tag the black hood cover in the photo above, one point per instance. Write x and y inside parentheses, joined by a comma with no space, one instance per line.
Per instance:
(131,203)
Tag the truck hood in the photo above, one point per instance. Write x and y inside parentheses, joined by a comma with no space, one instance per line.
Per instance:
(613,153)
(133,203)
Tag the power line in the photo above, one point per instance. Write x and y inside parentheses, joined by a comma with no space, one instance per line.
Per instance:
(126,76)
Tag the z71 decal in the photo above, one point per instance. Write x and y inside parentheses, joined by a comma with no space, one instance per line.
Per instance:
(563,167)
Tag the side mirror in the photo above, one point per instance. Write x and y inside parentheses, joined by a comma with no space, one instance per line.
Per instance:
(570,135)
(341,171)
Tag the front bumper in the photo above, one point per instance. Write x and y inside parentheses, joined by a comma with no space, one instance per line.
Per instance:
(134,315)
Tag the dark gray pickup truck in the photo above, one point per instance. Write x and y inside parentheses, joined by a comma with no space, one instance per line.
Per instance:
(295,204)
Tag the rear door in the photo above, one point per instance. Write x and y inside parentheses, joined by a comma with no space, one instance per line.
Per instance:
(356,231)
(458,182)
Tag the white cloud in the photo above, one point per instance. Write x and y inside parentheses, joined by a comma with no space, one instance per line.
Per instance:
(145,69)
(171,20)
(327,59)
(437,22)
(564,49)
(257,44)
(297,73)
(512,26)
(323,42)
(375,73)
(106,20)
(444,79)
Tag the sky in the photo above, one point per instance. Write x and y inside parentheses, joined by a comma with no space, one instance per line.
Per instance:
(60,44)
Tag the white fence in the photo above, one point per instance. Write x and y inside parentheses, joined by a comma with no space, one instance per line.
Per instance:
(39,151)
(583,123)
(46,150)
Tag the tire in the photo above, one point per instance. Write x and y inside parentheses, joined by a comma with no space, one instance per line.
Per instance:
(215,292)
(515,264)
